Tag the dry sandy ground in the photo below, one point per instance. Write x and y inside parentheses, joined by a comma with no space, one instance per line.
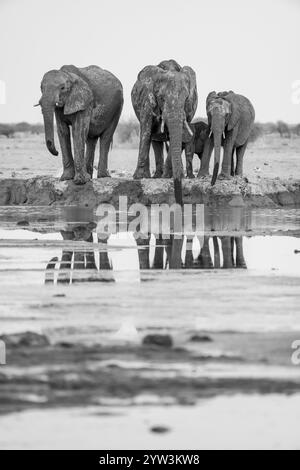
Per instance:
(27,156)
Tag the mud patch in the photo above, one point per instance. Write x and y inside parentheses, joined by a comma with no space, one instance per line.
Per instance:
(257,192)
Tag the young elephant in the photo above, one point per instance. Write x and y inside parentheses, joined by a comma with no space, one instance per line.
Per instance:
(90,100)
(231,116)
(198,144)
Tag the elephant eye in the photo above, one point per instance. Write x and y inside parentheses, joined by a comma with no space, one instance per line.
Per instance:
(62,87)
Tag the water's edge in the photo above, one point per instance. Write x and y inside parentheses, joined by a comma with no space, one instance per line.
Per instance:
(237,192)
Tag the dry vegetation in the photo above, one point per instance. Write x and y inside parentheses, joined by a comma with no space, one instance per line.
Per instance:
(127,133)
(274,151)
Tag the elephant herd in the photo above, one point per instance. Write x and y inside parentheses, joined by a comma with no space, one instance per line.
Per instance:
(165,99)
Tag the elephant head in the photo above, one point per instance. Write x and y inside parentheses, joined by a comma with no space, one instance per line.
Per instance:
(62,89)
(222,115)
(170,65)
(172,98)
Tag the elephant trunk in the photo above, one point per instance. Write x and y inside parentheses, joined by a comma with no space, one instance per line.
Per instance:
(48,115)
(217,128)
(175,126)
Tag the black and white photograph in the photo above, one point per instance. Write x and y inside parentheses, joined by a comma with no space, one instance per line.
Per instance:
(149,228)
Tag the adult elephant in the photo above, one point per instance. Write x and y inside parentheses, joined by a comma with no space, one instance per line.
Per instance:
(230,118)
(90,100)
(164,99)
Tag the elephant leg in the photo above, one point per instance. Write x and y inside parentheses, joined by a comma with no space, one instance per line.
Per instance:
(174,249)
(90,262)
(104,261)
(64,277)
(205,261)
(227,252)
(143,165)
(232,164)
(158,262)
(79,260)
(240,152)
(240,260)
(103,256)
(64,137)
(105,143)
(205,160)
(80,128)
(232,251)
(189,258)
(158,148)
(50,270)
(90,154)
(189,161)
(168,170)
(227,159)
(217,259)
(143,252)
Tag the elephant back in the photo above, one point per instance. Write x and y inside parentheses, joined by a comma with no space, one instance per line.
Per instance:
(104,85)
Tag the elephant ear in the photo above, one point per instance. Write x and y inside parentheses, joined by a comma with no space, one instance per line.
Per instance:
(192,100)
(212,96)
(143,94)
(233,109)
(234,115)
(80,96)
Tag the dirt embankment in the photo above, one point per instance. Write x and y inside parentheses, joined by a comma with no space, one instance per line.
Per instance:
(238,192)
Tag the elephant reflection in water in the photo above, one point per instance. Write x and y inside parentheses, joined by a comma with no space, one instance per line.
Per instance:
(173,254)
(74,260)
(228,248)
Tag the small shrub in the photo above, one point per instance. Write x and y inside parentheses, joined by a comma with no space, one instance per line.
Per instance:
(23,127)
(256,132)
(7,130)
(283,130)
(296,130)
(127,131)
(270,128)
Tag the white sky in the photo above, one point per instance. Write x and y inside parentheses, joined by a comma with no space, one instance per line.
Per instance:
(251,47)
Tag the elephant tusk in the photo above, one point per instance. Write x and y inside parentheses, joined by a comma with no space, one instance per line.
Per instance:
(210,134)
(188,128)
(162,127)
(224,135)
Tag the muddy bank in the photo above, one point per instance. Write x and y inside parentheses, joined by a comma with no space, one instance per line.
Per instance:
(238,192)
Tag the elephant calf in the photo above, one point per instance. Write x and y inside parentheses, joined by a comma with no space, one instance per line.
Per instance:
(90,100)
(197,145)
